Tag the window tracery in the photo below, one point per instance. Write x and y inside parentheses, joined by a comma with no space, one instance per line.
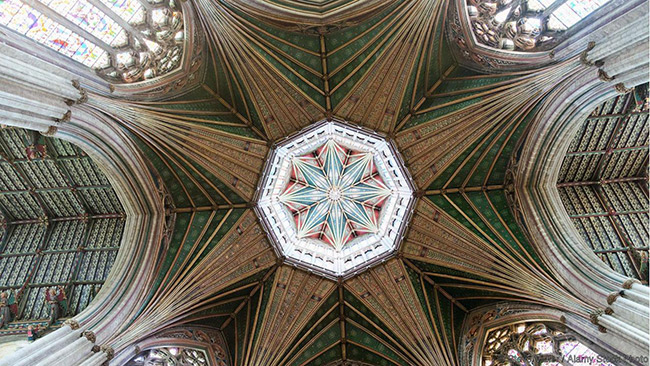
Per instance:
(170,356)
(526,25)
(536,344)
(125,41)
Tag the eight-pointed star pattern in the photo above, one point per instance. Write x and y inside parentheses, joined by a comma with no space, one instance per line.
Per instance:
(335,194)
(335,198)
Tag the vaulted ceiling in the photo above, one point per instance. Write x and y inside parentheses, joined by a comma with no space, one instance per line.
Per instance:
(386,67)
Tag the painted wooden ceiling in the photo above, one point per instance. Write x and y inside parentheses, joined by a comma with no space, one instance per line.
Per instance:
(60,224)
(387,68)
(603,182)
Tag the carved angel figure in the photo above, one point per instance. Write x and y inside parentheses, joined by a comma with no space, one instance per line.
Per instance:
(8,307)
(58,302)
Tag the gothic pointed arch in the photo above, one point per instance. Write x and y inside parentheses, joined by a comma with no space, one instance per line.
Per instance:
(502,36)
(532,335)
(126,48)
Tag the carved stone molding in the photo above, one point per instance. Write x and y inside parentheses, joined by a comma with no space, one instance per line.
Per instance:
(620,88)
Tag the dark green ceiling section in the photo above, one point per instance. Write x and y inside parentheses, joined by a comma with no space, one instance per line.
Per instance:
(483,164)
(239,330)
(432,268)
(202,107)
(331,355)
(326,340)
(187,182)
(488,227)
(460,89)
(229,86)
(374,351)
(293,53)
(441,181)
(363,355)
(358,47)
(266,294)
(319,333)
(189,243)
(434,58)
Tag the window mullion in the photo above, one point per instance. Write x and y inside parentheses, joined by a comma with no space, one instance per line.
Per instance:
(68,24)
(123,23)
(556,4)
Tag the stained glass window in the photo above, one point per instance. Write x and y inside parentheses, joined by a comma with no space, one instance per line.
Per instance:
(528,25)
(551,346)
(123,40)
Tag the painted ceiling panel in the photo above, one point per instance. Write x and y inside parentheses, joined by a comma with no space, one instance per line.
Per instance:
(603,182)
(62,225)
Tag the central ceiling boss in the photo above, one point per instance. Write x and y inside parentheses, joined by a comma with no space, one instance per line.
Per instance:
(335,198)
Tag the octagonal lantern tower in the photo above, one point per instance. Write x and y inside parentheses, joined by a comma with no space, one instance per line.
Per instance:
(335,198)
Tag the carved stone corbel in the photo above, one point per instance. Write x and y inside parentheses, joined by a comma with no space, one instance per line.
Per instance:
(602,75)
(65,118)
(584,56)
(72,324)
(89,335)
(629,282)
(50,131)
(620,87)
(110,353)
(612,297)
(594,316)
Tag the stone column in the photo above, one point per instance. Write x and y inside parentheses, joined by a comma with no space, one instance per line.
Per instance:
(38,95)
(627,317)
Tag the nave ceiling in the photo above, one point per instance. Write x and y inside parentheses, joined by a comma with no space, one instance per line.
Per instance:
(386,67)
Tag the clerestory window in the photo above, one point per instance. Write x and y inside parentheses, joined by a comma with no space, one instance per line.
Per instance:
(125,41)
(526,25)
(537,344)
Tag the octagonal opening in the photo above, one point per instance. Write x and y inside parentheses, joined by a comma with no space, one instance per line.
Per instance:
(335,198)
